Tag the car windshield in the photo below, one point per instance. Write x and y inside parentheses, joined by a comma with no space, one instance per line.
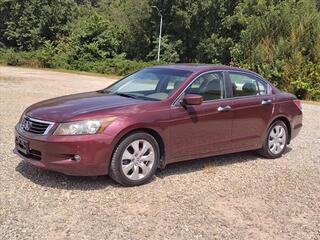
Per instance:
(150,83)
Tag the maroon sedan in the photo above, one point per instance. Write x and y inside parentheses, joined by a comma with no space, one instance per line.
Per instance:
(157,116)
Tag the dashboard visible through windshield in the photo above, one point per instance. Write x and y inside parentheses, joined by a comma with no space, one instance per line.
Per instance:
(150,83)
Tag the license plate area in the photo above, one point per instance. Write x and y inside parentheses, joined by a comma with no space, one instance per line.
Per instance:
(22,145)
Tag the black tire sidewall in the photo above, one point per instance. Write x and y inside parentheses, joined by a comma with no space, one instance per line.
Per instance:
(266,144)
(116,168)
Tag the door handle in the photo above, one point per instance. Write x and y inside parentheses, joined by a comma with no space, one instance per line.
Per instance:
(224,109)
(266,101)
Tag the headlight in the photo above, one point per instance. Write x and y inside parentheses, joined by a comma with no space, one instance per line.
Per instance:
(90,126)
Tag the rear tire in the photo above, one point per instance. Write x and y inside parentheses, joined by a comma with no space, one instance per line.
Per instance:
(135,160)
(276,140)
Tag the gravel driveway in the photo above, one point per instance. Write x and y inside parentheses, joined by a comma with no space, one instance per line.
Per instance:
(237,196)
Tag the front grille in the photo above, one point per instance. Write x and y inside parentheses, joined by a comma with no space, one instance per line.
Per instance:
(35,126)
(33,154)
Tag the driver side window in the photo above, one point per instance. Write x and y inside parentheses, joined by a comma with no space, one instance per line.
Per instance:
(210,86)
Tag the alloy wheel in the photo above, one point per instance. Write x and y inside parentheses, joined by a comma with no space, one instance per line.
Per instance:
(137,159)
(277,139)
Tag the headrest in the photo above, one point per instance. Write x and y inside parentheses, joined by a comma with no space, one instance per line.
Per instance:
(249,88)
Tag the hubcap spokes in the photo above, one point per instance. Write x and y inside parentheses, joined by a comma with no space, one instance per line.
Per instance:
(137,159)
(277,139)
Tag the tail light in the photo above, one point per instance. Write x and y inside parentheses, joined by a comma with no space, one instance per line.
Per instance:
(297,102)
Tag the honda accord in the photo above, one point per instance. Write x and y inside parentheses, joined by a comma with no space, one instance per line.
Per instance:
(157,116)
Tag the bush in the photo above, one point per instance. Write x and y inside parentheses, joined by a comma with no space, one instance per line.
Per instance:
(306,85)
(12,58)
(50,57)
(46,55)
(110,66)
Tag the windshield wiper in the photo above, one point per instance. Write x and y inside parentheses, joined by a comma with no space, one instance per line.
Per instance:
(126,95)
(103,91)
(135,96)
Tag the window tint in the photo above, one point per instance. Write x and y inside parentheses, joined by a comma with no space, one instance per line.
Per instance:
(243,85)
(210,86)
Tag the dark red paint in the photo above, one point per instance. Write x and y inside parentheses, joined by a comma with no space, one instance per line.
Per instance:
(192,99)
(184,131)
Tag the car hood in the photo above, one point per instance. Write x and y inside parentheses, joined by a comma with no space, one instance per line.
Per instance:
(75,106)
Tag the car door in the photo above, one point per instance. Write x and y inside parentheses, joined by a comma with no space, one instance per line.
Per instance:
(252,108)
(201,130)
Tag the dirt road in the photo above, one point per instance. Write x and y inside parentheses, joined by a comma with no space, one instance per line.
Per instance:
(237,196)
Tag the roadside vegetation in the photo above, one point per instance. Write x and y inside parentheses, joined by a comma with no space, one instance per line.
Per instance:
(279,39)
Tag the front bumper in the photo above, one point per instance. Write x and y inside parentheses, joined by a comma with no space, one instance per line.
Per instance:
(57,153)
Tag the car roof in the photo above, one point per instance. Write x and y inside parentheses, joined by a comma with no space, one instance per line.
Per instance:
(193,67)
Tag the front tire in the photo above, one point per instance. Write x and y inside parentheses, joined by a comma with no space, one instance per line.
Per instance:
(276,140)
(135,160)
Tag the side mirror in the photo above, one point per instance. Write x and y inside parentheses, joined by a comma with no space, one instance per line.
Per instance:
(192,99)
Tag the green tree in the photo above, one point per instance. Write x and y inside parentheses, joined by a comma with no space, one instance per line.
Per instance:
(279,39)
(194,22)
(132,18)
(26,24)
(170,50)
(93,38)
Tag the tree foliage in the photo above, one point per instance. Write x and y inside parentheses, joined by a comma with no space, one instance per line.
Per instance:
(25,25)
(278,38)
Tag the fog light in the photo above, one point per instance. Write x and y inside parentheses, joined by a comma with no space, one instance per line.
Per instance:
(76,158)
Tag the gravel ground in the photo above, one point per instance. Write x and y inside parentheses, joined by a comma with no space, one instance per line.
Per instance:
(237,196)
